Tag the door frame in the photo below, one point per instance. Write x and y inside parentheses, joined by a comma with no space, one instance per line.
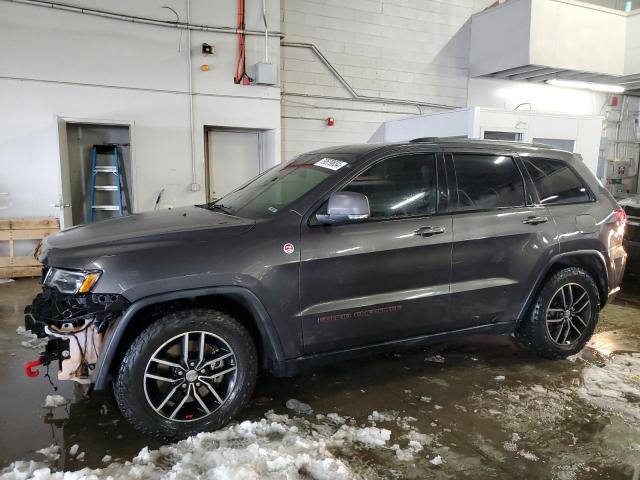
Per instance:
(207,151)
(66,213)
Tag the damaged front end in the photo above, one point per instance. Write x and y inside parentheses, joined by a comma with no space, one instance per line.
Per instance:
(75,324)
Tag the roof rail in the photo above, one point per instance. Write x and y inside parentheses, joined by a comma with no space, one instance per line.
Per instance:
(476,141)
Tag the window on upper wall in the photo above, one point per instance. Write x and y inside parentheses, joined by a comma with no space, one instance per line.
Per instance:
(556,182)
(403,186)
(557,143)
(498,135)
(487,182)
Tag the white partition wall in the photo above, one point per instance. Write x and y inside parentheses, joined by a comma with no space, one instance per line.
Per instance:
(523,125)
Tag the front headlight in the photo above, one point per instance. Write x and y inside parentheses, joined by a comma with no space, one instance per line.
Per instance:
(71,281)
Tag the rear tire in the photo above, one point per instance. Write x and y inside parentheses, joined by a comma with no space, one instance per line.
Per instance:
(564,315)
(168,394)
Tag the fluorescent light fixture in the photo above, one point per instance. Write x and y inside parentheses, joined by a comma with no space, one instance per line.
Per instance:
(407,201)
(598,87)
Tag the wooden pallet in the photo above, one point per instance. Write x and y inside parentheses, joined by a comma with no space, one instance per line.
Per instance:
(24,230)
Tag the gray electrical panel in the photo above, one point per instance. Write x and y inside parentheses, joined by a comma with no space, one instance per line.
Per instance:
(264,73)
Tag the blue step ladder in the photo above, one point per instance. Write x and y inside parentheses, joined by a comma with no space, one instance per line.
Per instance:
(112,169)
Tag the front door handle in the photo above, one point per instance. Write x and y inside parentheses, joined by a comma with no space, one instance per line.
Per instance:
(535,220)
(428,231)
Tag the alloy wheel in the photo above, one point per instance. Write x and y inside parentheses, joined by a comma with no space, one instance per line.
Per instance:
(190,376)
(568,314)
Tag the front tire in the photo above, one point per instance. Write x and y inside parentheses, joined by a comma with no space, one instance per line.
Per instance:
(564,315)
(190,371)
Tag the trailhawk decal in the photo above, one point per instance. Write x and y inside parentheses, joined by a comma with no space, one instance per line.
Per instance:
(330,163)
(288,248)
(359,314)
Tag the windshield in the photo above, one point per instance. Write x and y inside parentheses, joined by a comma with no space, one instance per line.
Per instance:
(280,186)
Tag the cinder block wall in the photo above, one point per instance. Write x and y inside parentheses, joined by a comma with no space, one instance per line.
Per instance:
(413,50)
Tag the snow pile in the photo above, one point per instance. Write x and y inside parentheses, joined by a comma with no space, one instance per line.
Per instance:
(435,359)
(382,416)
(416,443)
(32,341)
(274,447)
(52,452)
(53,401)
(528,455)
(372,436)
(615,386)
(299,407)
(512,445)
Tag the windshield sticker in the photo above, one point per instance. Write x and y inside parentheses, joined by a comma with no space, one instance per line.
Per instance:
(288,248)
(272,209)
(330,163)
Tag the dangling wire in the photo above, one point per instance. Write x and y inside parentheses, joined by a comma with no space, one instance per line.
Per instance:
(241,76)
(177,20)
(48,377)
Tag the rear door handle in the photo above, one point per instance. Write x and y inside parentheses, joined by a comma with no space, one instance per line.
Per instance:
(428,231)
(535,220)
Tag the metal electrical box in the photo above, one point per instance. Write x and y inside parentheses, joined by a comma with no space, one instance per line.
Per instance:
(264,74)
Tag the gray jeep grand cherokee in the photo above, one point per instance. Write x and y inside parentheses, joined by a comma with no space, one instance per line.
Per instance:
(336,253)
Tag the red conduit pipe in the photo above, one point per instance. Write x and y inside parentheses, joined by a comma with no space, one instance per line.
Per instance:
(241,74)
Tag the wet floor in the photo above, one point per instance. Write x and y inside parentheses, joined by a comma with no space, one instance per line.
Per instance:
(492,410)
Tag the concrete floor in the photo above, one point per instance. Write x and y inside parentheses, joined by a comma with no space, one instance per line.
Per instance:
(471,413)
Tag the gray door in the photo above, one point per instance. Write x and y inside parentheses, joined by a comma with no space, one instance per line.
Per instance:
(385,278)
(234,159)
(500,240)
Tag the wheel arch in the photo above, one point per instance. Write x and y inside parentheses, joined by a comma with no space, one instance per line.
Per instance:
(592,261)
(239,302)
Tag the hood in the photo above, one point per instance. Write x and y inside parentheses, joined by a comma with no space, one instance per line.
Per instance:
(158,226)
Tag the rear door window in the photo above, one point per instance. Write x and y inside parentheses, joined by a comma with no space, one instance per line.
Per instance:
(488,182)
(556,182)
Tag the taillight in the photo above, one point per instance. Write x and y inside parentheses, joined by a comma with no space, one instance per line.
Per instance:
(621,217)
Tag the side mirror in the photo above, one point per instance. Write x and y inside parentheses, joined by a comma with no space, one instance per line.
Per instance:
(344,207)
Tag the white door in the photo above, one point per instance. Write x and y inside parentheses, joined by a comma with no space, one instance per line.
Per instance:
(234,158)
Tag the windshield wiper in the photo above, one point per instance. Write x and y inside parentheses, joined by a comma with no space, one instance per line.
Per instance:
(221,207)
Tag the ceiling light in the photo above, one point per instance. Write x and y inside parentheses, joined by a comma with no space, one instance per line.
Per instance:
(407,201)
(598,87)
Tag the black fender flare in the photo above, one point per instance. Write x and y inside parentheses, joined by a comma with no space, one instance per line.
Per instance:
(271,340)
(556,259)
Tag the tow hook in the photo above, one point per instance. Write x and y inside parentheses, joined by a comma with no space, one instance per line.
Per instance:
(30,368)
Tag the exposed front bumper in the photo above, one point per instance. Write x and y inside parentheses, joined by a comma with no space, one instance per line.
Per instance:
(75,326)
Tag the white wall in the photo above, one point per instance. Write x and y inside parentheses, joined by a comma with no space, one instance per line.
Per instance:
(508,94)
(384,48)
(473,121)
(456,123)
(556,34)
(578,36)
(584,130)
(632,61)
(500,38)
(62,64)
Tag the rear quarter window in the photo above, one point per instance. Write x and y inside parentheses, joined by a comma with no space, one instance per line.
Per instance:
(556,182)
